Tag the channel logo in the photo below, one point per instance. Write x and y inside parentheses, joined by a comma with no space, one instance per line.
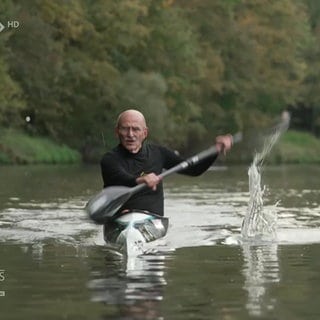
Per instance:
(11,24)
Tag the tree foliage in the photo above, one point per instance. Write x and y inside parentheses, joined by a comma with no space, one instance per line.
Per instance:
(11,96)
(194,67)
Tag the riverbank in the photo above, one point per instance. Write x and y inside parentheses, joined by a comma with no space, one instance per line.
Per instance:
(293,147)
(18,148)
(297,147)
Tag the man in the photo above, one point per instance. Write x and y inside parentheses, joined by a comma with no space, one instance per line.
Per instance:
(136,161)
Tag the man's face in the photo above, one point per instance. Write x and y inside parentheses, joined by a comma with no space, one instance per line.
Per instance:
(132,131)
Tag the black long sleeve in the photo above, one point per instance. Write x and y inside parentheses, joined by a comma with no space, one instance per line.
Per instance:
(120,167)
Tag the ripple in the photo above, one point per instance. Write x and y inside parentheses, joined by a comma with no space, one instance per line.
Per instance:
(36,222)
(198,217)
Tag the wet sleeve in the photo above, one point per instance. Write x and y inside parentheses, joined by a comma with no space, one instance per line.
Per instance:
(171,159)
(114,174)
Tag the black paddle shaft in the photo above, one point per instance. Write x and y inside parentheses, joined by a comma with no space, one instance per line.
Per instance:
(107,202)
(197,158)
(188,163)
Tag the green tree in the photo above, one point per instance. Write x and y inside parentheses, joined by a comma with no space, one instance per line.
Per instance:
(172,51)
(146,91)
(64,70)
(11,100)
(195,67)
(260,67)
(36,60)
(311,95)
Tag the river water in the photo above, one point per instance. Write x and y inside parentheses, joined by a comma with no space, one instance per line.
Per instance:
(54,265)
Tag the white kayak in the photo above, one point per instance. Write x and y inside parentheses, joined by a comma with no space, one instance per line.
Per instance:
(128,232)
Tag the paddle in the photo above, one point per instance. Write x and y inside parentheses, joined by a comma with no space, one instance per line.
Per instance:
(107,202)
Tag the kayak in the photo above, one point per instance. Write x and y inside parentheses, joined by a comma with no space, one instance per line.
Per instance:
(129,231)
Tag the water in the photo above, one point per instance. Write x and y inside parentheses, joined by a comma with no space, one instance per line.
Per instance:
(260,223)
(55,264)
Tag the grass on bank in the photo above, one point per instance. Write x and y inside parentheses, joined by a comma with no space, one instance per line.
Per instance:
(297,147)
(19,148)
(293,147)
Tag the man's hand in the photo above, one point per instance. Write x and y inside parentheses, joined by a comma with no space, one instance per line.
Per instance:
(151,180)
(224,143)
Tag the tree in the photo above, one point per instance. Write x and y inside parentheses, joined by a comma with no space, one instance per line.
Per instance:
(146,91)
(11,100)
(172,51)
(262,67)
(308,106)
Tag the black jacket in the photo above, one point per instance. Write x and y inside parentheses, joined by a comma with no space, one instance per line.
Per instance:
(120,167)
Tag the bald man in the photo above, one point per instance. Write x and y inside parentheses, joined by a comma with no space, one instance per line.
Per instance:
(136,161)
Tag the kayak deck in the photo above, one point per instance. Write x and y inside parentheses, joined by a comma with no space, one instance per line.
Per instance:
(133,229)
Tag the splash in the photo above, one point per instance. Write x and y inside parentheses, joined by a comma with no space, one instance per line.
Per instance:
(260,223)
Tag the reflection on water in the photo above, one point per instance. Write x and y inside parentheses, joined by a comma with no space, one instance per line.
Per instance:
(60,222)
(55,257)
(203,211)
(134,285)
(261,270)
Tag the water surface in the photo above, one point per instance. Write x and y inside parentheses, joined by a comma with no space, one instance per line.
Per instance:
(55,264)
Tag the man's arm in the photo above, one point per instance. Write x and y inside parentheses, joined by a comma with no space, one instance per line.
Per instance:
(223,144)
(113,173)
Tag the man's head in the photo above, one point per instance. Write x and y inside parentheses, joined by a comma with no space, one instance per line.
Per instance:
(131,130)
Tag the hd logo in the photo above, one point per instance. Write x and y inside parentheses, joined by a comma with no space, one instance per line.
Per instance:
(9,25)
